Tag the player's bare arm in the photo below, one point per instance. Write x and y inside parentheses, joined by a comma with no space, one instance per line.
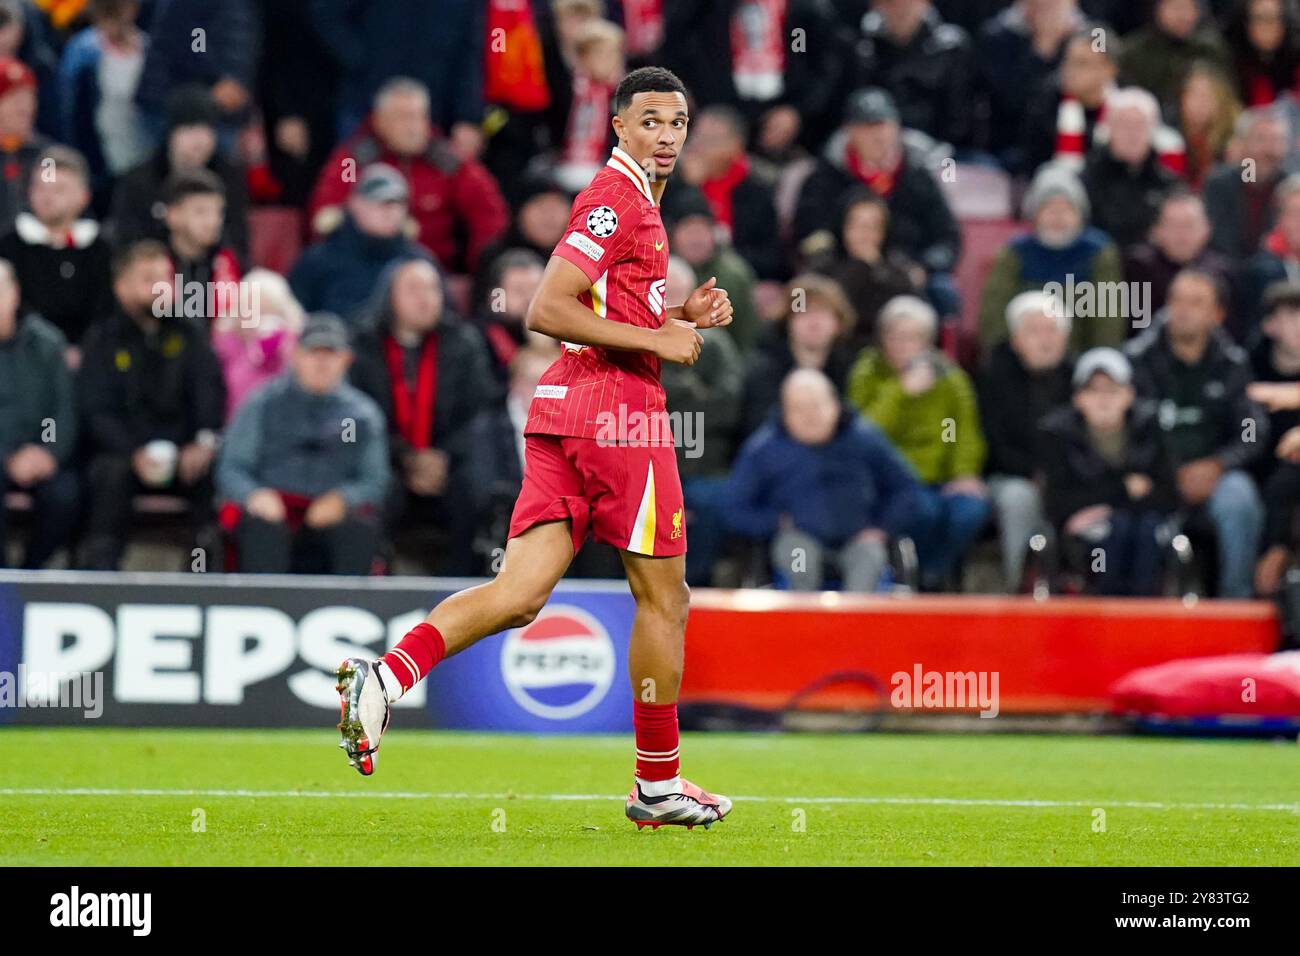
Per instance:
(556,312)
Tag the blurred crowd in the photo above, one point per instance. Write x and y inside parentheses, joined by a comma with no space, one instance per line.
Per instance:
(348,205)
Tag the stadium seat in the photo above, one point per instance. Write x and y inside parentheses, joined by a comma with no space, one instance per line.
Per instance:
(275,233)
(980,241)
(978,192)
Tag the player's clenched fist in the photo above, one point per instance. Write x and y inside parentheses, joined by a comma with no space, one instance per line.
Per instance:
(708,306)
(677,341)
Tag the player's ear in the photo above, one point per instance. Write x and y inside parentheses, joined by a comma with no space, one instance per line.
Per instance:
(617,122)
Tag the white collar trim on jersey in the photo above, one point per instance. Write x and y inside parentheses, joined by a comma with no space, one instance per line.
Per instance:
(630,168)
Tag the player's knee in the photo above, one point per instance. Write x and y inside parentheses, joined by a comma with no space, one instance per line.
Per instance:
(526,609)
(674,605)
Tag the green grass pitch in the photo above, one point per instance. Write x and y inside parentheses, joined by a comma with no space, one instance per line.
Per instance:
(249,797)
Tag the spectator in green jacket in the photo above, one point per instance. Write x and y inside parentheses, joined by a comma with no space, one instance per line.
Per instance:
(926,406)
(38,425)
(1061,245)
(694,234)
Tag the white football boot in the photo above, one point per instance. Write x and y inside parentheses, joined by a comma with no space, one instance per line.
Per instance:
(364,712)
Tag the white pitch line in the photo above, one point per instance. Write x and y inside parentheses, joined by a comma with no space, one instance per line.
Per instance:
(850,801)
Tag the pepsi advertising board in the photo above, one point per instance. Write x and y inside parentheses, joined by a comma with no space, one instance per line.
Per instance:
(260,651)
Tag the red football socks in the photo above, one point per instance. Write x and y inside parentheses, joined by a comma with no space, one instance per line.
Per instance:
(656,740)
(416,654)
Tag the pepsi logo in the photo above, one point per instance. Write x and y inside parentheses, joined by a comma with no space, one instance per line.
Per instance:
(561,665)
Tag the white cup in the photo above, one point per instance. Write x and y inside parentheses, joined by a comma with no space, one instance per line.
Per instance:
(162,455)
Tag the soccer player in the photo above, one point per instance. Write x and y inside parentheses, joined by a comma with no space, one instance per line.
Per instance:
(598,457)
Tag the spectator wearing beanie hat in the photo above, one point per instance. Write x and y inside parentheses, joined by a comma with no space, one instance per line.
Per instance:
(1061,244)
(20,144)
(139,208)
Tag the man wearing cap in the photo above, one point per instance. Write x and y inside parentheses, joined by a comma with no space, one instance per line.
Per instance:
(139,210)
(1109,483)
(1213,431)
(450,194)
(338,274)
(306,463)
(19,143)
(921,224)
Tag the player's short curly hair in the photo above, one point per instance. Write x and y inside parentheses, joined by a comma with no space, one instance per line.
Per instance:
(647,79)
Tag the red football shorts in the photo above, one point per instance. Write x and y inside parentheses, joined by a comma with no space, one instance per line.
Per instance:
(626,495)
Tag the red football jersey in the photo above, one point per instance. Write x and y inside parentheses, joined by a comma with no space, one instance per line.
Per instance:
(616,237)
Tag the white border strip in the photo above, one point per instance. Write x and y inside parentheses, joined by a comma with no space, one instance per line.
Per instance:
(569,797)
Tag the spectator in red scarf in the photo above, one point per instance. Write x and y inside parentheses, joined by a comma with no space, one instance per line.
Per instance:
(1069,116)
(1239,191)
(20,144)
(598,67)
(1264,37)
(874,155)
(513,282)
(206,271)
(428,370)
(742,203)
(449,194)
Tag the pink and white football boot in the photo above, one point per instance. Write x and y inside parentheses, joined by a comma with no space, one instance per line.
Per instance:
(688,807)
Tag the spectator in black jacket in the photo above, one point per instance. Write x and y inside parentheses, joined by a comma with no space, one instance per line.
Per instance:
(38,426)
(61,260)
(1125,179)
(298,93)
(873,155)
(926,64)
(1179,238)
(1025,377)
(139,211)
(742,55)
(152,400)
(339,273)
(869,274)
(742,203)
(440,43)
(1239,195)
(1275,360)
(428,371)
(1213,430)
(1276,260)
(1017,52)
(225,66)
(1108,478)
